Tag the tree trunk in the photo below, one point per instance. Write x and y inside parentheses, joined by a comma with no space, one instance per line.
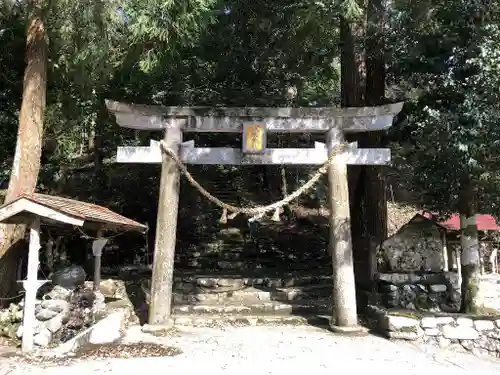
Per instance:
(353,88)
(375,57)
(469,242)
(26,165)
(370,195)
(353,68)
(101,113)
(100,185)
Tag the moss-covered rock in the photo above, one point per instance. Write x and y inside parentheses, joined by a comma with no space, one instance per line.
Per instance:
(10,320)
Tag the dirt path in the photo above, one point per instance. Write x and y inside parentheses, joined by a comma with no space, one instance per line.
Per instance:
(278,350)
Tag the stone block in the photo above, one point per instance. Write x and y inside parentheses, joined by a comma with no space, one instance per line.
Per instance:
(494,335)
(403,335)
(465,322)
(484,325)
(439,288)
(432,332)
(441,320)
(461,332)
(387,288)
(399,323)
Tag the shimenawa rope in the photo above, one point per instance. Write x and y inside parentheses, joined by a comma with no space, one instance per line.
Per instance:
(258,211)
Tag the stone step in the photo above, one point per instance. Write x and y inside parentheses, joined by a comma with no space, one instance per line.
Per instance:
(283,264)
(250,293)
(309,307)
(241,320)
(187,282)
(317,255)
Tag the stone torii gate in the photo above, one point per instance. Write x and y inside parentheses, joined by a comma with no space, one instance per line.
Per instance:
(254,123)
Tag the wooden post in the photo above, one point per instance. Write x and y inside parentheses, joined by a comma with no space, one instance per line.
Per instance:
(446,266)
(31,286)
(97,248)
(166,227)
(493,261)
(97,272)
(340,244)
(458,257)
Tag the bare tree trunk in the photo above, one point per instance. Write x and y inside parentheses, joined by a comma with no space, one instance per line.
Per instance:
(26,165)
(369,197)
(375,57)
(353,67)
(101,113)
(353,88)
(470,248)
(99,172)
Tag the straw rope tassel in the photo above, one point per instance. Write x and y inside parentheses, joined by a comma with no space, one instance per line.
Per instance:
(258,211)
(276,215)
(223,217)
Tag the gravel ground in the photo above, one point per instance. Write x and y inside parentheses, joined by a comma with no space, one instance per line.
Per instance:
(271,350)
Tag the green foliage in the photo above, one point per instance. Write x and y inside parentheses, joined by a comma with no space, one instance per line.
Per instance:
(447,59)
(442,56)
(11,77)
(158,26)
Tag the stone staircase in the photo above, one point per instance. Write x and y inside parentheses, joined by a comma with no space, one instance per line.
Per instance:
(247,274)
(238,300)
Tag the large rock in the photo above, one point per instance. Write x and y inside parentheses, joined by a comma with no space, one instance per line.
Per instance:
(58,292)
(45,314)
(55,324)
(43,338)
(56,305)
(83,298)
(110,329)
(417,246)
(69,277)
(110,288)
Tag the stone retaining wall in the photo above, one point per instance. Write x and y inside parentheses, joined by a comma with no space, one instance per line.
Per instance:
(477,334)
(434,292)
(424,292)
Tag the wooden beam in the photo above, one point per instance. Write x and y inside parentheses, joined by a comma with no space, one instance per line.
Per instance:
(257,112)
(9,211)
(208,119)
(290,125)
(140,154)
(367,123)
(273,125)
(273,156)
(235,125)
(144,122)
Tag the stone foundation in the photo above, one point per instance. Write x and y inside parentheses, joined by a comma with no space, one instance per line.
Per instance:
(489,291)
(422,292)
(477,334)
(433,292)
